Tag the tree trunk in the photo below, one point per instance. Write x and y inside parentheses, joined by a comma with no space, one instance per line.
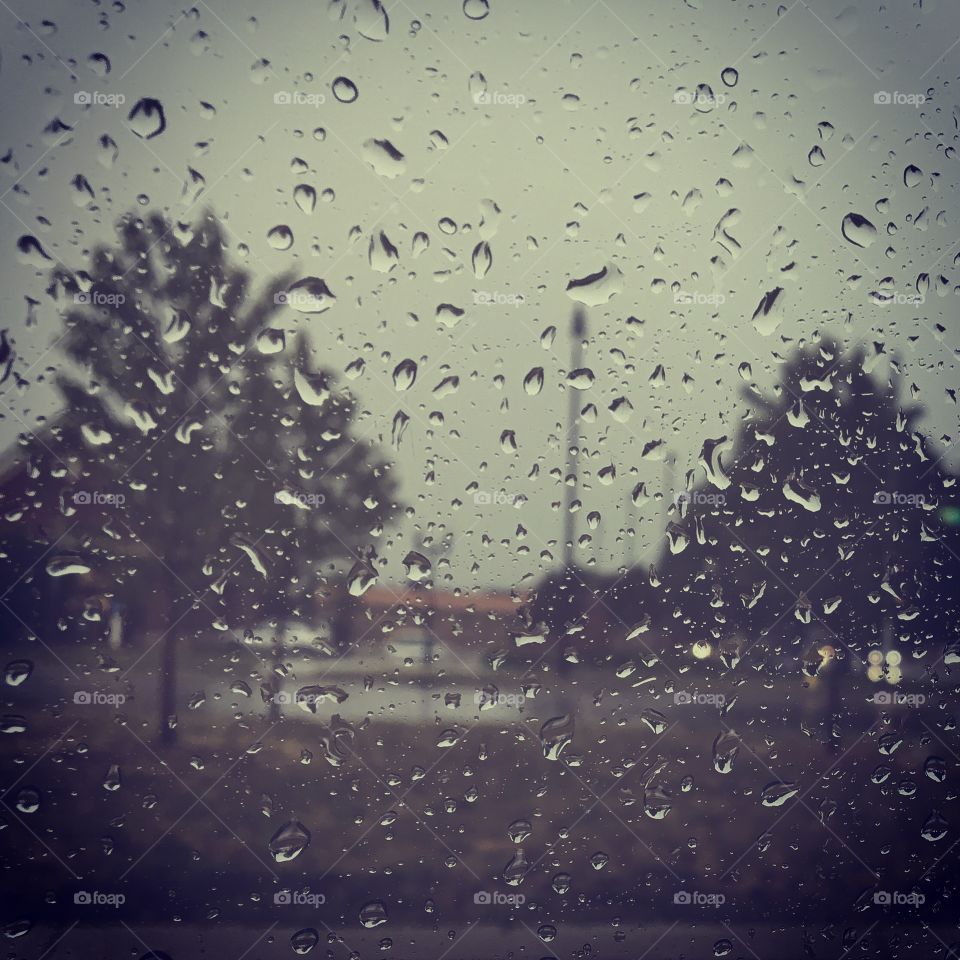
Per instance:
(168,665)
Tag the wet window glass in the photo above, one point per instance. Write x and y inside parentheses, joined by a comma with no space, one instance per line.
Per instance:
(479,479)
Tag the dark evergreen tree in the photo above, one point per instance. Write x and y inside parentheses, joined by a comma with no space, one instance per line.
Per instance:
(203,474)
(823,525)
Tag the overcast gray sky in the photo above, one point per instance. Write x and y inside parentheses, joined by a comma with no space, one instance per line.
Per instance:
(590,134)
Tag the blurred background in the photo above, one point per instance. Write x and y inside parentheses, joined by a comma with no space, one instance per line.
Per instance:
(479,480)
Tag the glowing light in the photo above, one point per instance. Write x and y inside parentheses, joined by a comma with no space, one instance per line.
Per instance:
(701,650)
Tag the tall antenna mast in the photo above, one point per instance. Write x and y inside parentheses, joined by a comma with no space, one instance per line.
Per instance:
(578,332)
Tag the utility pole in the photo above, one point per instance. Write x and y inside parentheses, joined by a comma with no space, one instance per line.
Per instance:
(578,331)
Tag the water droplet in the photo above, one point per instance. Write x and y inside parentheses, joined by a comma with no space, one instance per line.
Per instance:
(303,941)
(476,9)
(66,564)
(112,781)
(416,566)
(16,672)
(778,793)
(580,379)
(935,827)
(482,259)
(373,914)
(519,830)
(654,719)
(404,375)
(382,255)
(516,869)
(371,20)
(309,295)
(99,63)
(305,197)
(533,381)
(280,237)
(555,735)
(936,769)
(147,119)
(28,800)
(345,90)
(769,313)
(289,841)
(596,289)
(361,578)
(725,750)
(858,230)
(271,340)
(31,251)
(387,161)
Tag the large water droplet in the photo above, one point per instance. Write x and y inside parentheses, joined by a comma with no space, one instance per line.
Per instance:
(516,869)
(482,259)
(289,841)
(373,914)
(598,288)
(309,295)
(147,119)
(64,565)
(416,566)
(405,375)
(16,672)
(555,735)
(303,941)
(533,381)
(345,90)
(280,237)
(778,793)
(387,161)
(476,9)
(858,230)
